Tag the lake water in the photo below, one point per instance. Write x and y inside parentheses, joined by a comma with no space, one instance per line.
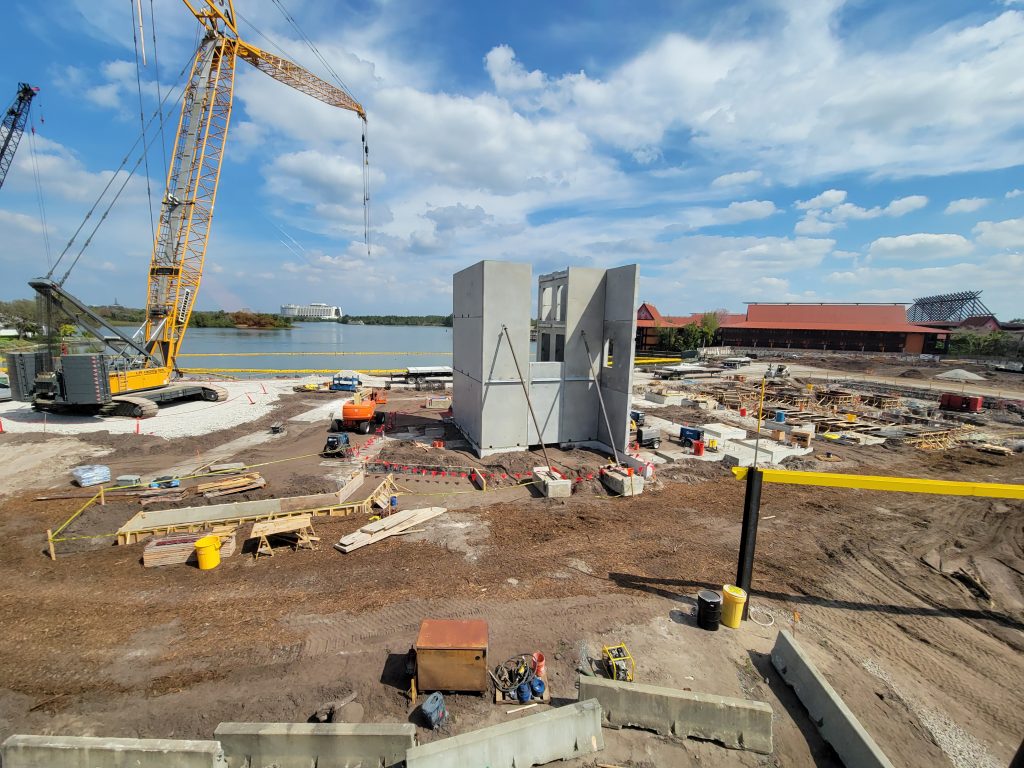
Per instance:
(317,346)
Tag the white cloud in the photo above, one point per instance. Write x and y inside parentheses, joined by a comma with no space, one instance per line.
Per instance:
(829,211)
(827,199)
(967,205)
(737,179)
(1014,193)
(920,247)
(1001,234)
(21,221)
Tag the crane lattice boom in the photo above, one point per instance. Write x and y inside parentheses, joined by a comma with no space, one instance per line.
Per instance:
(13,126)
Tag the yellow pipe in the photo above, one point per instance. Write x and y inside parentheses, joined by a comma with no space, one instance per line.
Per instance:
(892,484)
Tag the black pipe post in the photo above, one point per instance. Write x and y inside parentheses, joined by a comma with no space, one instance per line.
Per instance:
(748,535)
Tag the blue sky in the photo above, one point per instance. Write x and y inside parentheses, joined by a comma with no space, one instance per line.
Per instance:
(741,151)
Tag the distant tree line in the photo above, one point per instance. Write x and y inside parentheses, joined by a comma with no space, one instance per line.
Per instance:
(991,344)
(690,336)
(443,321)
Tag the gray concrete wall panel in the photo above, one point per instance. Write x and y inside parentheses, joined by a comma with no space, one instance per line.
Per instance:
(325,745)
(96,752)
(734,723)
(837,724)
(560,734)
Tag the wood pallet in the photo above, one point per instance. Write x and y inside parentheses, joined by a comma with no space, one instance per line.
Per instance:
(179,548)
(386,527)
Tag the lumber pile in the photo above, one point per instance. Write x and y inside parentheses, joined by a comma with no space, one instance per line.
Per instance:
(386,527)
(229,485)
(177,548)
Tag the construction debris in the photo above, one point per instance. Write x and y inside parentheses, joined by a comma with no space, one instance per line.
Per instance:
(386,527)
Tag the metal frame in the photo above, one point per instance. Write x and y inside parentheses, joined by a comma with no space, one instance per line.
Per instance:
(948,308)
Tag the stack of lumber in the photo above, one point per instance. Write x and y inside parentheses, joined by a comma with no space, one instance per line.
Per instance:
(229,485)
(395,524)
(177,548)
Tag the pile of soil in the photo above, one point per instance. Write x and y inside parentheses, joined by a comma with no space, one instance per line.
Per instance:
(912,373)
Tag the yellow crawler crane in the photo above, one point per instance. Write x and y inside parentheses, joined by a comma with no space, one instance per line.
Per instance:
(135,372)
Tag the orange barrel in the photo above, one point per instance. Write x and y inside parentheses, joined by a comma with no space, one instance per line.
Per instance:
(698,447)
(743,411)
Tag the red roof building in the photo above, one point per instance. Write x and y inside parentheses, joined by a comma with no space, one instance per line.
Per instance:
(850,327)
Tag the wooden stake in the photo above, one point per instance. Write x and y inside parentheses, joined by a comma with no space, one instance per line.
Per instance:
(49,541)
(103,499)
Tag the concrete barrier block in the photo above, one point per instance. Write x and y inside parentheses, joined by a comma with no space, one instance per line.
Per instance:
(325,745)
(97,752)
(559,734)
(734,723)
(837,724)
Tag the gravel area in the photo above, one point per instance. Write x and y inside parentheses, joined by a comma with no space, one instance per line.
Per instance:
(247,401)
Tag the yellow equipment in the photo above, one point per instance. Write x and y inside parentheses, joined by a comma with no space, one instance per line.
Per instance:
(146,362)
(618,662)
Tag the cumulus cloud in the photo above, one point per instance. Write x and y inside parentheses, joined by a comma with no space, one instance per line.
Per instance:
(967,205)
(1014,193)
(737,179)
(1001,234)
(920,247)
(827,211)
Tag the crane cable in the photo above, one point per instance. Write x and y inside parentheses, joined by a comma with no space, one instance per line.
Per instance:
(39,191)
(113,176)
(142,114)
(159,97)
(341,83)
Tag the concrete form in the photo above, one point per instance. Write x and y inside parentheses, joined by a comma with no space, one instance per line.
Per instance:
(560,734)
(325,745)
(586,327)
(95,752)
(145,524)
(734,723)
(837,724)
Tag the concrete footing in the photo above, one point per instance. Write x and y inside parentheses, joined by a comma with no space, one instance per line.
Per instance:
(734,723)
(94,752)
(559,734)
(619,482)
(325,745)
(837,724)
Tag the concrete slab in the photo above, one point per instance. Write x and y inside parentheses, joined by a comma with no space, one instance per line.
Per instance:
(734,723)
(325,745)
(837,724)
(95,752)
(560,734)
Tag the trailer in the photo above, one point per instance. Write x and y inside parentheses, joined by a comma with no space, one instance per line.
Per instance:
(424,373)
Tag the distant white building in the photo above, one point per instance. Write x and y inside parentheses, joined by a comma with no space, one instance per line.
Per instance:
(311,311)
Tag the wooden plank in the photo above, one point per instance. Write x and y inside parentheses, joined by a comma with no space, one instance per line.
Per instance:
(360,539)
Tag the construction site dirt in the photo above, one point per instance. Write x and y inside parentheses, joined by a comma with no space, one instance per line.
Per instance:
(911,605)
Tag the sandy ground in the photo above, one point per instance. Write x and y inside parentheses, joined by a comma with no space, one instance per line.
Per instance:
(911,605)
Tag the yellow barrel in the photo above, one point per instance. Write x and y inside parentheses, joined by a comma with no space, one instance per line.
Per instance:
(851,417)
(208,552)
(733,600)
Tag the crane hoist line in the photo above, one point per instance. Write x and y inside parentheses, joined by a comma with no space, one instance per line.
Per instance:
(135,372)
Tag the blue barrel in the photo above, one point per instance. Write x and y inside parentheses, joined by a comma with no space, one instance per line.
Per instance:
(780,416)
(394,503)
(537,687)
(523,693)
(434,709)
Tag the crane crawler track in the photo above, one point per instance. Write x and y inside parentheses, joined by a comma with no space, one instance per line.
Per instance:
(127,405)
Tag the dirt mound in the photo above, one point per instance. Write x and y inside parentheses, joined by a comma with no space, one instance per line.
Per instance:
(912,373)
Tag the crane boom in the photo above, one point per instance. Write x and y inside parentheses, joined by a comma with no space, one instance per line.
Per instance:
(147,361)
(13,126)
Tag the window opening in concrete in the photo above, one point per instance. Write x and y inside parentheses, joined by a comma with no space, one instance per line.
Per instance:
(559,347)
(608,351)
(560,304)
(545,347)
(545,303)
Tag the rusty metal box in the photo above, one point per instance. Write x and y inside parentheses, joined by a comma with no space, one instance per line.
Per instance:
(451,655)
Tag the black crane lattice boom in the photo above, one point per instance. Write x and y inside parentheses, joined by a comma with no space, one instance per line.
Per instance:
(13,127)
